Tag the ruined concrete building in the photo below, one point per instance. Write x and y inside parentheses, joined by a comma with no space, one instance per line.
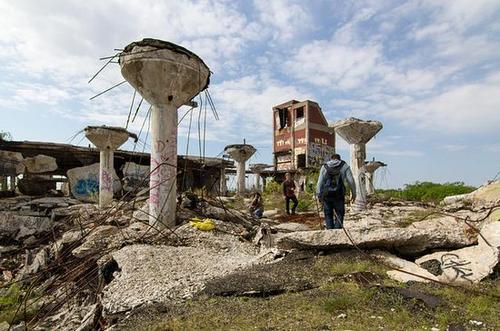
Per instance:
(302,138)
(35,168)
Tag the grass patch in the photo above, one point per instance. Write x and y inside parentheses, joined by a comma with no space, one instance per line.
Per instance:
(357,265)
(366,307)
(9,302)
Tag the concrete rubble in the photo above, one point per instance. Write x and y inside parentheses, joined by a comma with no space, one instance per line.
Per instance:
(138,265)
(143,245)
(467,265)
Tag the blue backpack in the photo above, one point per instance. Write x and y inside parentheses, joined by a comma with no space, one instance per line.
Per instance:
(333,186)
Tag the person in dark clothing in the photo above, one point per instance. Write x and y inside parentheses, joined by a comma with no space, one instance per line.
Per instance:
(256,207)
(331,191)
(289,193)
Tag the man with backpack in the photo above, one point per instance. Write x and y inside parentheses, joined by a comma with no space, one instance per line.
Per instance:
(331,191)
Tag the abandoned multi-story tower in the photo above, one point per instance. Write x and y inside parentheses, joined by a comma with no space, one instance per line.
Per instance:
(301,136)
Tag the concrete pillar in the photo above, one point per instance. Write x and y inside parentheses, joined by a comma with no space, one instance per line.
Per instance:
(222,182)
(3,183)
(240,177)
(107,140)
(358,155)
(357,133)
(370,168)
(369,183)
(106,165)
(240,153)
(167,76)
(257,169)
(163,180)
(257,182)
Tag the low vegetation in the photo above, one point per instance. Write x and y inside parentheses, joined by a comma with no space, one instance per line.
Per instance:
(341,302)
(10,299)
(426,191)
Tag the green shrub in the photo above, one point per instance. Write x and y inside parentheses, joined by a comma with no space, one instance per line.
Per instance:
(426,191)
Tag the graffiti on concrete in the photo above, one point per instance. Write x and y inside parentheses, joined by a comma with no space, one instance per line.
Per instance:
(459,266)
(86,186)
(319,154)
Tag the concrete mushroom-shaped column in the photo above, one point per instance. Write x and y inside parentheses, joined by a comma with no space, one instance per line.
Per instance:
(240,153)
(257,169)
(369,169)
(357,133)
(167,76)
(107,139)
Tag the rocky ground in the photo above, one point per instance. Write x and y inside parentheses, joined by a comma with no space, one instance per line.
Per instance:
(66,265)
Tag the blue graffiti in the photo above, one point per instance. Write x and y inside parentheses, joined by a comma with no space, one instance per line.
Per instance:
(86,186)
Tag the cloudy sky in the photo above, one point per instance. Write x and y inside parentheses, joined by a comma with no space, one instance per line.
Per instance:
(429,70)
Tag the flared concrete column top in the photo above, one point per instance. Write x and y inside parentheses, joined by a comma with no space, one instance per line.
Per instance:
(107,137)
(371,166)
(240,152)
(259,167)
(164,73)
(356,131)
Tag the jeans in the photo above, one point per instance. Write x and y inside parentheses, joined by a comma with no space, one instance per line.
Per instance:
(257,213)
(287,204)
(329,207)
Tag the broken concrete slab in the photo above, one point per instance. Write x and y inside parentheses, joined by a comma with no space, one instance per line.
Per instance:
(96,241)
(165,274)
(40,164)
(404,265)
(84,182)
(291,227)
(270,213)
(467,265)
(444,232)
(488,193)
(15,227)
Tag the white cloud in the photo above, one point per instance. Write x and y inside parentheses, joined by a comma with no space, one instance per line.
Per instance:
(286,18)
(327,64)
(245,107)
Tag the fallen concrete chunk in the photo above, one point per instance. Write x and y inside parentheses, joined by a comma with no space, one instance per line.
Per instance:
(436,233)
(404,265)
(36,264)
(466,265)
(14,227)
(12,163)
(96,241)
(40,164)
(84,182)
